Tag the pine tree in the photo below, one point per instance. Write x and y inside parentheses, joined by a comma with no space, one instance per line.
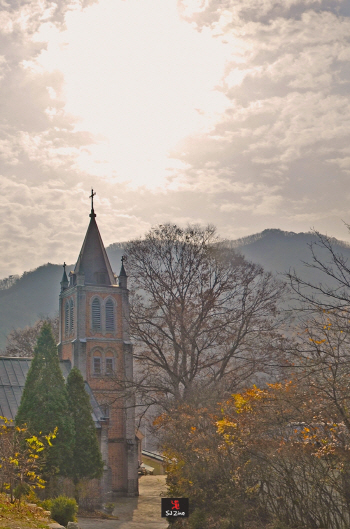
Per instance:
(44,404)
(87,459)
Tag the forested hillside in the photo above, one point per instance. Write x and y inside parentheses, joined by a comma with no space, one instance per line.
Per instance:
(35,294)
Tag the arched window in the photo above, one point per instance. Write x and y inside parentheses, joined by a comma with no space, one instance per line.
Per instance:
(66,318)
(71,316)
(109,315)
(96,366)
(109,363)
(96,314)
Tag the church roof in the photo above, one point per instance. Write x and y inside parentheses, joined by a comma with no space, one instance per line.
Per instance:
(13,374)
(93,260)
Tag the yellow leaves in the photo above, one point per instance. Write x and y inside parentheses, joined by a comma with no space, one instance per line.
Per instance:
(160,420)
(20,454)
(223,428)
(223,424)
(318,342)
(244,402)
(241,403)
(250,491)
(256,393)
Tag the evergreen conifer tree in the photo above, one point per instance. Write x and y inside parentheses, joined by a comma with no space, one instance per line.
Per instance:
(44,404)
(87,459)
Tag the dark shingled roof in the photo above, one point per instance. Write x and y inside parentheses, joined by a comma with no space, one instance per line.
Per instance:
(93,258)
(13,373)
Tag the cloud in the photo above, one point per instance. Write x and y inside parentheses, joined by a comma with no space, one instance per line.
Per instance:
(33,124)
(276,156)
(288,123)
(38,144)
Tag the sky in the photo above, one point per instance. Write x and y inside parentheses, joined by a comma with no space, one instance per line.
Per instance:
(229,112)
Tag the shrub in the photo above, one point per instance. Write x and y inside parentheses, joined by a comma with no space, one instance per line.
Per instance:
(22,489)
(63,510)
(46,504)
(31,497)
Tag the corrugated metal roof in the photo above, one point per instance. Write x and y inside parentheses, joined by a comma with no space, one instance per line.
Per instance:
(13,373)
(153,455)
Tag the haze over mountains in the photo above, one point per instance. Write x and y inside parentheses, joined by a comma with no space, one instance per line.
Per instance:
(36,293)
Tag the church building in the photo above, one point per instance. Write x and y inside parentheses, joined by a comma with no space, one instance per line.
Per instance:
(94,337)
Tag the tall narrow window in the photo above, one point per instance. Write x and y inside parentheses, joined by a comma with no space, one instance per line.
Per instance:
(109,366)
(71,316)
(105,411)
(66,318)
(96,314)
(97,365)
(109,315)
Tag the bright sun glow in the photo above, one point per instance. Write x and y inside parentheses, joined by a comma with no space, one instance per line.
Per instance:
(140,79)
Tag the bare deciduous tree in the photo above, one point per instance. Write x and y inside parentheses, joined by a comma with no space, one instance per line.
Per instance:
(201,315)
(332,291)
(21,342)
(320,352)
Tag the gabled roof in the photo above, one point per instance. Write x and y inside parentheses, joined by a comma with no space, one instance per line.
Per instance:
(93,260)
(13,374)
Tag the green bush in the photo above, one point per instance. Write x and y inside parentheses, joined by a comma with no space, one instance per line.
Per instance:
(22,489)
(46,504)
(63,510)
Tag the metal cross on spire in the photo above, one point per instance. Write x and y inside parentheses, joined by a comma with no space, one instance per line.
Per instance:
(92,214)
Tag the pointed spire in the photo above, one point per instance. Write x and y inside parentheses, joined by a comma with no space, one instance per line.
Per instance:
(122,270)
(64,281)
(123,278)
(93,266)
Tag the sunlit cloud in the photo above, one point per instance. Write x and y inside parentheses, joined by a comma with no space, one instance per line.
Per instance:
(143,82)
(233,113)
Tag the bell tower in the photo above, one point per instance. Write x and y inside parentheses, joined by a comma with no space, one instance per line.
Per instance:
(94,336)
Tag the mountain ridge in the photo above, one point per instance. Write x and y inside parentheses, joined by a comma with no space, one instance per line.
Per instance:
(35,293)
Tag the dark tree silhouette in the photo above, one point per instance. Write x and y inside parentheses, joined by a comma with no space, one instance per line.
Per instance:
(87,460)
(44,404)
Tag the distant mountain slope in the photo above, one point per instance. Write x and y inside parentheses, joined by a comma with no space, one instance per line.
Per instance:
(36,293)
(279,251)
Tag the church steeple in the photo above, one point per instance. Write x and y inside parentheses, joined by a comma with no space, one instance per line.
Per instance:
(94,336)
(93,266)
(123,278)
(64,281)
